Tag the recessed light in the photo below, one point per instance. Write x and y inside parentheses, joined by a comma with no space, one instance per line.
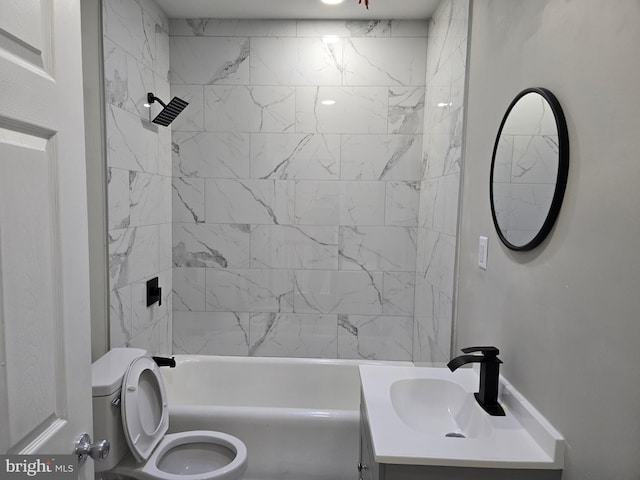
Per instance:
(328,102)
(332,2)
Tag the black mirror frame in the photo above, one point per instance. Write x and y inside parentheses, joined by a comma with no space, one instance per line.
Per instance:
(562,176)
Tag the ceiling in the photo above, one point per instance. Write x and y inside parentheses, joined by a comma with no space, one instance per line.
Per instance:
(299,9)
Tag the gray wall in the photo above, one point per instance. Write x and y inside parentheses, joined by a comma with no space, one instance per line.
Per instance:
(565,316)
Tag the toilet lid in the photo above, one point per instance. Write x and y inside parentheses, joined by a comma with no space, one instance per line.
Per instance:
(145,415)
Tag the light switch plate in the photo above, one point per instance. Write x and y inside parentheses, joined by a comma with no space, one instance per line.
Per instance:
(483,247)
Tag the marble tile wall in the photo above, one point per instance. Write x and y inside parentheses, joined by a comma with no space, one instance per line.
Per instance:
(297,169)
(440,182)
(136,61)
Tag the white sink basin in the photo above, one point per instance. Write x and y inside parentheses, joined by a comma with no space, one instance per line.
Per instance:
(429,416)
(439,407)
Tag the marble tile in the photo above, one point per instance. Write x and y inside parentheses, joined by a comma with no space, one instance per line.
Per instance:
(188,27)
(438,104)
(156,33)
(295,61)
(249,201)
(439,257)
(362,203)
(142,317)
(401,205)
(115,74)
(249,290)
(293,335)
(406,109)
(449,124)
(213,27)
(235,146)
(165,164)
(317,203)
(118,195)
(144,258)
(161,60)
(385,61)
(165,253)
(149,195)
(153,9)
(381,157)
(211,333)
(439,70)
(295,156)
(188,200)
(378,248)
(156,339)
(432,334)
(132,143)
(140,81)
(446,204)
(189,289)
(123,23)
(192,118)
(409,28)
(356,109)
(428,195)
(398,293)
(249,108)
(425,296)
(344,28)
(120,247)
(444,155)
(293,246)
(120,317)
(133,255)
(208,61)
(211,245)
(335,291)
(210,154)
(375,337)
(449,27)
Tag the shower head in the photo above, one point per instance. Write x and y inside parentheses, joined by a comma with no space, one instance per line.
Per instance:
(170,111)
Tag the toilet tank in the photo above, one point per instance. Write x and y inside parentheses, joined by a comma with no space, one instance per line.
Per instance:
(106,381)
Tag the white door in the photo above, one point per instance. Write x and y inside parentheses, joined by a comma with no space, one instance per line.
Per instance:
(45,376)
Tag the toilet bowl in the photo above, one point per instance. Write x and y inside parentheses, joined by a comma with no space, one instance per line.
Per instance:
(139,405)
(199,454)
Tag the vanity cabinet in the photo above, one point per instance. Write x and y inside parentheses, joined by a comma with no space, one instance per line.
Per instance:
(369,469)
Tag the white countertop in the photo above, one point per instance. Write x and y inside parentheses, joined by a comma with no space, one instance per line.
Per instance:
(521,439)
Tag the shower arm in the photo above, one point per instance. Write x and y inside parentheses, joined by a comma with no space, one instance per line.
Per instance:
(152,98)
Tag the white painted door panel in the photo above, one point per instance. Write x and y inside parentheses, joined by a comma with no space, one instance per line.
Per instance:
(45,378)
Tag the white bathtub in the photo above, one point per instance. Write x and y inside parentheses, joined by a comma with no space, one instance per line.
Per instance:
(299,418)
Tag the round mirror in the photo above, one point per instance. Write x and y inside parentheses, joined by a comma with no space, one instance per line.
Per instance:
(529,169)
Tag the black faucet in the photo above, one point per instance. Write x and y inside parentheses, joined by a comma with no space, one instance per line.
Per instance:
(165,362)
(489,362)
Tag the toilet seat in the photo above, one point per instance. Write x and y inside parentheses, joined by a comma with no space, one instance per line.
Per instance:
(145,416)
(145,419)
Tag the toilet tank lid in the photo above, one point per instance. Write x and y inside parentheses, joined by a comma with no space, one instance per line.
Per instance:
(108,370)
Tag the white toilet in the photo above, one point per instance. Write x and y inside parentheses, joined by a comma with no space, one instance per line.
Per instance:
(130,410)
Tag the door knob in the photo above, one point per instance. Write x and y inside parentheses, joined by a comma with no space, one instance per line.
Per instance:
(99,451)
